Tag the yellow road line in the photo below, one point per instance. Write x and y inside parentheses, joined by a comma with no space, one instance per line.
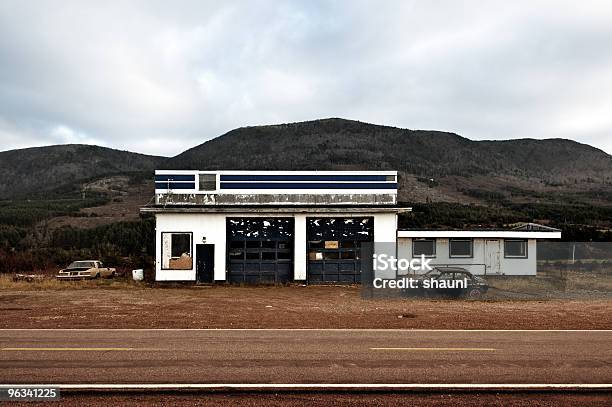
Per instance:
(441,349)
(77,349)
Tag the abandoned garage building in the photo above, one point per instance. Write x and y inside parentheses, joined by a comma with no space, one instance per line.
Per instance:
(308,226)
(270,226)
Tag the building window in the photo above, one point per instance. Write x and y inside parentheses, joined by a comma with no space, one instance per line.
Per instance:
(208,182)
(176,251)
(333,250)
(425,247)
(515,248)
(461,248)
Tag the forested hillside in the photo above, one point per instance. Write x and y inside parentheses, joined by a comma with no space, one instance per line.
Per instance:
(61,202)
(36,172)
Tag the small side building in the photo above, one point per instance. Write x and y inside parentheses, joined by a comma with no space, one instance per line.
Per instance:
(482,252)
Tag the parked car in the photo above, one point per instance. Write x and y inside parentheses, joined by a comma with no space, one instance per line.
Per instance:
(455,281)
(86,269)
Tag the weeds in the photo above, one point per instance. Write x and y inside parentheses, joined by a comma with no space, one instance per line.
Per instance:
(51,283)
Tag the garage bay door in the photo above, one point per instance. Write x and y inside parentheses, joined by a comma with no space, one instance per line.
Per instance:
(336,247)
(260,250)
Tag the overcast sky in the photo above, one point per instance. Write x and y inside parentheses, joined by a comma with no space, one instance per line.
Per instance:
(162,76)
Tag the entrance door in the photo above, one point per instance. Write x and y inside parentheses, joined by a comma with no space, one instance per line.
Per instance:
(205,263)
(492,257)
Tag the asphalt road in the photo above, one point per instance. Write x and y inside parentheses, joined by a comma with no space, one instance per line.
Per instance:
(304,356)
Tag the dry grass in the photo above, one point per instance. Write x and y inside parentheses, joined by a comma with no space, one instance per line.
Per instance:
(51,283)
(522,284)
(589,281)
(551,282)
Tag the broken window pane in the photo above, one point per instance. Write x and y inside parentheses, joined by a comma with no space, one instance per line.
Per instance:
(236,254)
(176,251)
(252,256)
(268,256)
(331,255)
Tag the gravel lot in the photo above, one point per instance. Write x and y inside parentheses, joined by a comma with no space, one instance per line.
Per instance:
(284,307)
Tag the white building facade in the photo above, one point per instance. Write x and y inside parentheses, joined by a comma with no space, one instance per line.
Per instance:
(246,227)
(270,226)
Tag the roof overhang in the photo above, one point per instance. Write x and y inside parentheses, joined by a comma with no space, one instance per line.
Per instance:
(273,210)
(506,234)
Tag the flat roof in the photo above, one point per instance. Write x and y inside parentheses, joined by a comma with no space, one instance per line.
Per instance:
(509,234)
(274,209)
(265,172)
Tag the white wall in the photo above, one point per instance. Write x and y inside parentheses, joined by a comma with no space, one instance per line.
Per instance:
(213,227)
(518,267)
(476,264)
(385,241)
(209,225)
(300,263)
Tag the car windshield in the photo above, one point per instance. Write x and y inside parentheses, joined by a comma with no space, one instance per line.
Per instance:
(78,264)
(432,273)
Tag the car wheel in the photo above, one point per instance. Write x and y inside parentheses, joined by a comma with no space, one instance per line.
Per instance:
(474,293)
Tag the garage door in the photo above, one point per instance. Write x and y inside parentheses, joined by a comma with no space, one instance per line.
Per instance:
(260,250)
(336,248)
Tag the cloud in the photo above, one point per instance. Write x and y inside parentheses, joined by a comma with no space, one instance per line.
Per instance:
(161,77)
(66,135)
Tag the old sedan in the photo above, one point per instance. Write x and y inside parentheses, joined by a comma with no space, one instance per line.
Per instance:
(452,282)
(86,269)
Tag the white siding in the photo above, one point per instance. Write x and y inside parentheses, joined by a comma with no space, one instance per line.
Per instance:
(213,227)
(385,241)
(299,256)
(528,266)
(477,263)
(210,225)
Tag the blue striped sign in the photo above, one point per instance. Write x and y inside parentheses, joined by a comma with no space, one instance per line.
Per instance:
(308,185)
(174,177)
(175,185)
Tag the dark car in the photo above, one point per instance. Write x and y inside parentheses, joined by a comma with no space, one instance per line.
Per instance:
(453,282)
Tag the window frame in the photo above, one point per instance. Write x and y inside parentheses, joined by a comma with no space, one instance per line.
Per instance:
(435,245)
(161,247)
(525,256)
(460,256)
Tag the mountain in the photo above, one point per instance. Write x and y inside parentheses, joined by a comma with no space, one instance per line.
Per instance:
(36,172)
(449,180)
(433,165)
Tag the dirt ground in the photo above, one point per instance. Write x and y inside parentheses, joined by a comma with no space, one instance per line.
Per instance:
(329,399)
(141,306)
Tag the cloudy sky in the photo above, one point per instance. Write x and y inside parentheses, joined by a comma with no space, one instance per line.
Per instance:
(162,76)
